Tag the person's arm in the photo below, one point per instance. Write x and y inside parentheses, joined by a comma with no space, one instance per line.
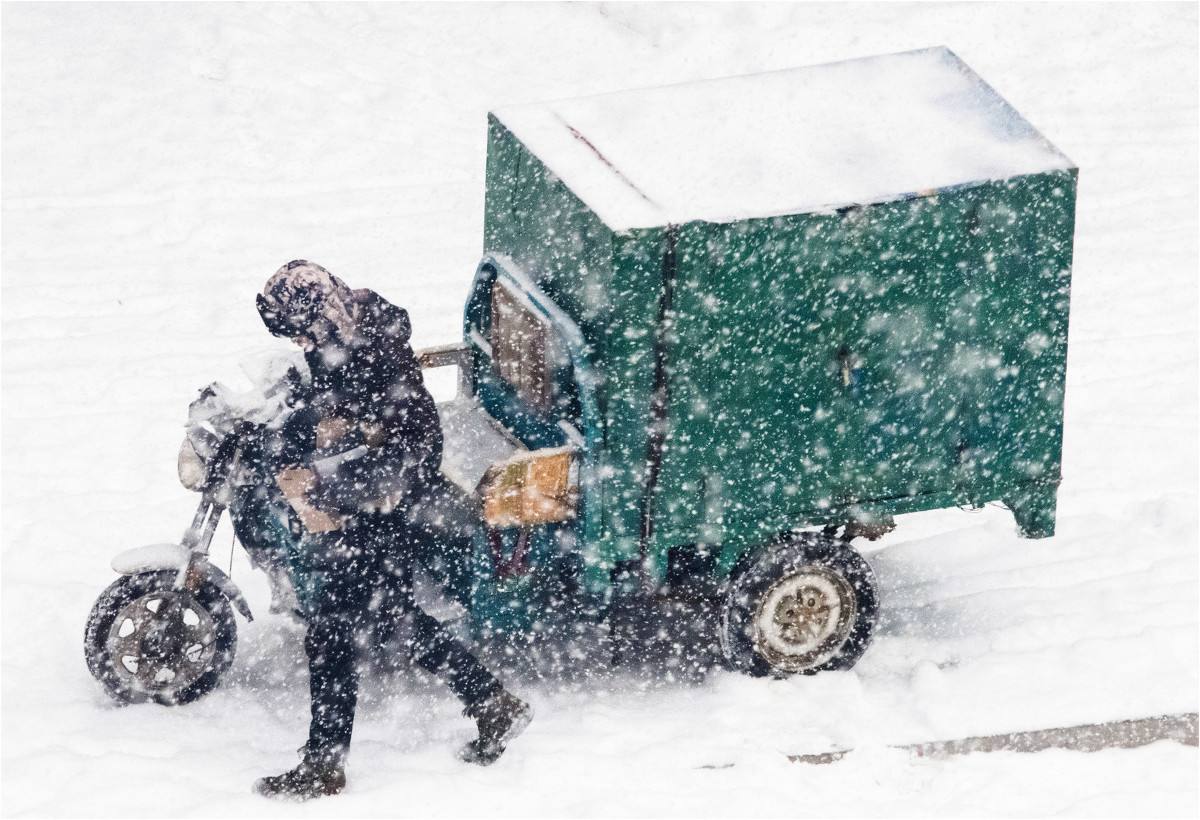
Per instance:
(367,474)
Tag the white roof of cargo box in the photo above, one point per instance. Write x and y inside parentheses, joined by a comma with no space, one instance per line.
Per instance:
(783,142)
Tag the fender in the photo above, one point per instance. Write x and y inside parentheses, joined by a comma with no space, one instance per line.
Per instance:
(175,557)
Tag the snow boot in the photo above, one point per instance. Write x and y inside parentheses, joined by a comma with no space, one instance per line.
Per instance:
(308,780)
(500,718)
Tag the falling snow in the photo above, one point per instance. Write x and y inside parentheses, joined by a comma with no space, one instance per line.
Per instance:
(869,326)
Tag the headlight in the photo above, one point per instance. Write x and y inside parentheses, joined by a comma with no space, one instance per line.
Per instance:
(192,470)
(540,487)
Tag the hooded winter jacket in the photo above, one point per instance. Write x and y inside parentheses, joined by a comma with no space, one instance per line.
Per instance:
(369,424)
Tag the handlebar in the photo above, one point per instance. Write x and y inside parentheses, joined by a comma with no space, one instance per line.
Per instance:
(217,469)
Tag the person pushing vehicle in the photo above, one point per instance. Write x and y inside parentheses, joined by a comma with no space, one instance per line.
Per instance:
(362,449)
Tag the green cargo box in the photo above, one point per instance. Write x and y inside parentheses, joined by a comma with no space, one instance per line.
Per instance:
(809,297)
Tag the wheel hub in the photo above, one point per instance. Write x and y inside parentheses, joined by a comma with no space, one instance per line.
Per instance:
(802,620)
(802,616)
(162,642)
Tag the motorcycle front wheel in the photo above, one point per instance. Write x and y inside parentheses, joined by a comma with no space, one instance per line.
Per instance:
(148,642)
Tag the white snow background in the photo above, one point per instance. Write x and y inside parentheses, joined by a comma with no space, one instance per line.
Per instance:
(160,161)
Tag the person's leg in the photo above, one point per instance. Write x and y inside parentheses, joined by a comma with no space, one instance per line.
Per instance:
(438,652)
(333,685)
(499,715)
(433,648)
(337,613)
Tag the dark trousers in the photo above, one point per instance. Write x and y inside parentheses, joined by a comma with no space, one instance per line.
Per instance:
(366,574)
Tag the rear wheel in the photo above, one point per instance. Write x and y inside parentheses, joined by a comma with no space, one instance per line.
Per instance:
(146,641)
(804,604)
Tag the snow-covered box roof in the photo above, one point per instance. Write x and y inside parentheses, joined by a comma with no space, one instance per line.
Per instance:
(782,142)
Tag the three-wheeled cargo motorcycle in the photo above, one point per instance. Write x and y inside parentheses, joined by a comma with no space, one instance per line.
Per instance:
(695,365)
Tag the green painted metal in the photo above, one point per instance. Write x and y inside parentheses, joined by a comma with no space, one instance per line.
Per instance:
(820,367)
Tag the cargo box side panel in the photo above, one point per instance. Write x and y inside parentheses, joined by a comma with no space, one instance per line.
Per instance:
(1011,357)
(885,359)
(794,397)
(743,400)
(742,397)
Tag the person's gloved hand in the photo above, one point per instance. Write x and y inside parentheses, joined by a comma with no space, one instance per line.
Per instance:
(297,436)
(298,392)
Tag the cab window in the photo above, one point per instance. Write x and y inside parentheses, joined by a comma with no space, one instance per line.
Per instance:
(523,350)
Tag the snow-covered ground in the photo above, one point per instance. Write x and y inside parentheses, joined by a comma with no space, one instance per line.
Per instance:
(159,161)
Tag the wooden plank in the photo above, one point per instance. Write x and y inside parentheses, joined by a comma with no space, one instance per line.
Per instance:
(443,355)
(457,354)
